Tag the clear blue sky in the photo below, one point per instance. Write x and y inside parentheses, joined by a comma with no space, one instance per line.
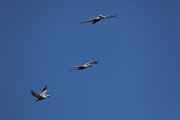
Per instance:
(138,75)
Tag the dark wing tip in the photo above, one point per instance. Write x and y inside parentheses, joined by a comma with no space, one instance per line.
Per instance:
(33,93)
(96,62)
(45,88)
(93,61)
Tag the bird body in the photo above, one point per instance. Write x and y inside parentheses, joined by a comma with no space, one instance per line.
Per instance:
(42,95)
(97,19)
(86,65)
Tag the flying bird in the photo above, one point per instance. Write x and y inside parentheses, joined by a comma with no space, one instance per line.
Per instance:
(98,18)
(42,95)
(85,65)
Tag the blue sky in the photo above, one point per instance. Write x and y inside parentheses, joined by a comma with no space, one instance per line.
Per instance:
(137,77)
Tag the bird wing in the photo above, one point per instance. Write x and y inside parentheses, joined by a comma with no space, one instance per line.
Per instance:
(92,62)
(44,88)
(35,94)
(43,93)
(95,21)
(110,16)
(89,21)
(78,67)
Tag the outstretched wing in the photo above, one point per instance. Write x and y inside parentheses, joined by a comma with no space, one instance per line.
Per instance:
(44,89)
(95,21)
(35,94)
(79,67)
(92,20)
(88,21)
(110,16)
(92,62)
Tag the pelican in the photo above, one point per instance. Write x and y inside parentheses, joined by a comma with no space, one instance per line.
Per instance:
(85,65)
(98,18)
(42,95)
